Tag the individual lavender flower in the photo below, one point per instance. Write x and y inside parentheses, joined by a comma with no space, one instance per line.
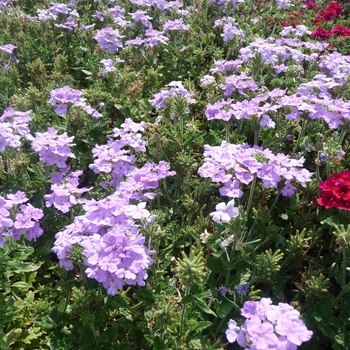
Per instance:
(109,65)
(8,48)
(222,290)
(53,149)
(138,211)
(224,212)
(207,80)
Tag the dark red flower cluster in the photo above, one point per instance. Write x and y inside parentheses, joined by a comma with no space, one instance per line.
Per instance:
(340,30)
(310,4)
(324,34)
(333,10)
(321,33)
(335,191)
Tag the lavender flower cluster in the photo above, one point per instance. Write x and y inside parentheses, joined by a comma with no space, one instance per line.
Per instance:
(108,39)
(16,220)
(176,88)
(268,326)
(67,97)
(53,149)
(66,193)
(53,12)
(13,127)
(115,253)
(234,165)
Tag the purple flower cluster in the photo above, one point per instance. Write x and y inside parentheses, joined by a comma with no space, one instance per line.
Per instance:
(269,326)
(7,58)
(57,9)
(108,39)
(13,127)
(225,109)
(8,48)
(115,252)
(66,97)
(239,83)
(274,53)
(176,88)
(224,3)
(298,31)
(230,29)
(141,16)
(176,24)
(53,149)
(66,194)
(15,221)
(234,165)
(337,66)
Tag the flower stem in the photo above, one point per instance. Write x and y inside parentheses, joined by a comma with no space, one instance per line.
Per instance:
(251,194)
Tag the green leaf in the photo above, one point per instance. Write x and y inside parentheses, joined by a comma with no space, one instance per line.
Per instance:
(224,308)
(21,285)
(203,306)
(86,72)
(200,326)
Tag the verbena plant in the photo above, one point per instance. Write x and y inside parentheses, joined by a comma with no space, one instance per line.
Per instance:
(173,174)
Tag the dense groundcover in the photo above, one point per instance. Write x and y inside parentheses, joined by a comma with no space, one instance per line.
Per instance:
(173,174)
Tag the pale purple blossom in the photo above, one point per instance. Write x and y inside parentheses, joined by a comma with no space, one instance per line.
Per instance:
(224,212)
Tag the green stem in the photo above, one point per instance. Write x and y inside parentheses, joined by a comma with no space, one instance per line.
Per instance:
(182,130)
(342,136)
(343,291)
(255,137)
(183,312)
(251,194)
(344,267)
(227,132)
(300,136)
(274,202)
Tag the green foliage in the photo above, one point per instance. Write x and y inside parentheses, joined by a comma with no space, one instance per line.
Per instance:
(289,249)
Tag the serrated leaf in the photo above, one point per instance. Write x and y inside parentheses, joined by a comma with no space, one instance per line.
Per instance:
(224,308)
(21,285)
(200,326)
(203,306)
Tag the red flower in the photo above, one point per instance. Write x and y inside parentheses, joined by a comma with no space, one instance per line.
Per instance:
(310,5)
(333,10)
(321,33)
(340,30)
(335,191)
(335,7)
